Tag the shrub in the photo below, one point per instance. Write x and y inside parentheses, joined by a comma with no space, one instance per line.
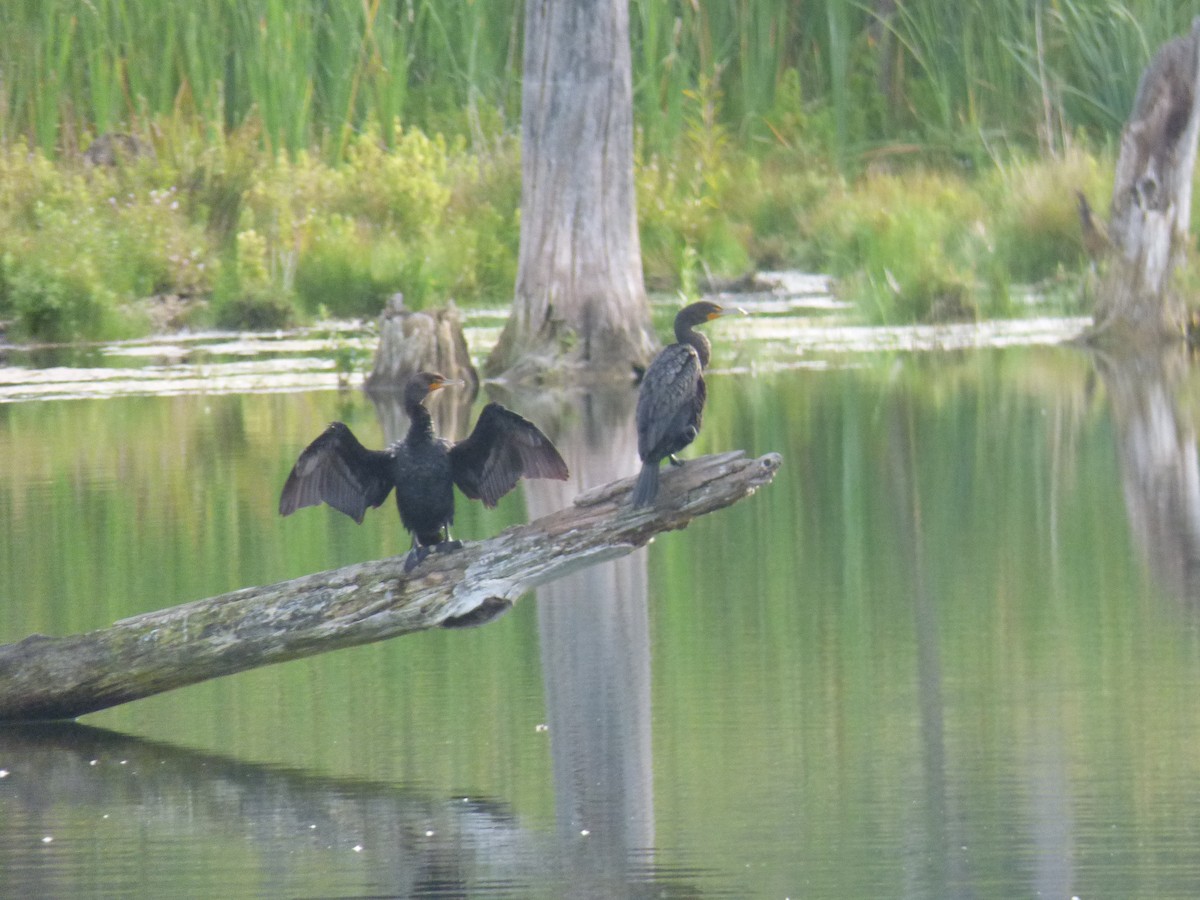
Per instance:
(1036,217)
(58,304)
(918,243)
(258,310)
(349,270)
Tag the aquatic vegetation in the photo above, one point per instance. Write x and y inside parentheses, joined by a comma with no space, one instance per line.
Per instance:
(1036,218)
(269,239)
(321,158)
(911,246)
(244,239)
(310,75)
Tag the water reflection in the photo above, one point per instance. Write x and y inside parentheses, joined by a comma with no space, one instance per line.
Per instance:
(935,860)
(594,642)
(931,858)
(1160,472)
(72,784)
(926,662)
(594,636)
(81,804)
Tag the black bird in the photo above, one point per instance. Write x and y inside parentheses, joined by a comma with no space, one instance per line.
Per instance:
(503,447)
(671,397)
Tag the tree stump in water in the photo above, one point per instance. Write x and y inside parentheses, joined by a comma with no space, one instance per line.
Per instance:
(411,341)
(1151,204)
(579,310)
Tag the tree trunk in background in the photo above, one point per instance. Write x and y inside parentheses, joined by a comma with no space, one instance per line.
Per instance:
(1152,196)
(580,305)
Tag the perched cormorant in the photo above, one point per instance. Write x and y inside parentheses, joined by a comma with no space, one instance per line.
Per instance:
(671,397)
(503,447)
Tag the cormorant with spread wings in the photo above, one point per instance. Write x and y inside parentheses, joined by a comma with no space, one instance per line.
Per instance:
(502,448)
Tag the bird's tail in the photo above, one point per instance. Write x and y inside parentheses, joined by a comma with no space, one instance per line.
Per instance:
(646,488)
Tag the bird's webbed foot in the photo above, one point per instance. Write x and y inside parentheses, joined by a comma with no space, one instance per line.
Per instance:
(420,552)
(415,557)
(674,460)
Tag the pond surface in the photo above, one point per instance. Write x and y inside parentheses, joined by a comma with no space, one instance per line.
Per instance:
(953,650)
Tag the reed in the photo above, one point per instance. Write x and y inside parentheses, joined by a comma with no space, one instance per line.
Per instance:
(309,73)
(328,154)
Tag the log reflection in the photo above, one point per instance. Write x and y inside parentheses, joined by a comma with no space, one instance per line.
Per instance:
(595,649)
(118,804)
(1160,471)
(64,775)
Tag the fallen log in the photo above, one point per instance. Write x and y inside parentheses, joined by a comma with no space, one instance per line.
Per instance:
(63,677)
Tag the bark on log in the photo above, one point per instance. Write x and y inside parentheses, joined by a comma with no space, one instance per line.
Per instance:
(1152,197)
(54,678)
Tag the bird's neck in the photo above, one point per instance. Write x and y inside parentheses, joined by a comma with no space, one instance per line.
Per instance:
(697,342)
(420,426)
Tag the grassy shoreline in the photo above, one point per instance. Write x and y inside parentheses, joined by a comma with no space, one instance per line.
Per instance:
(926,155)
(227,234)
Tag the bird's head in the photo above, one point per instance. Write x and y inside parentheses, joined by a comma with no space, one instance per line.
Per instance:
(703,311)
(423,384)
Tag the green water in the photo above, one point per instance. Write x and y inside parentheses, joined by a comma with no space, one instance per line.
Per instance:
(951,651)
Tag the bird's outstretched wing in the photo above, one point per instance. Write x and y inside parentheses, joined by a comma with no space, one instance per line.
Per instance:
(670,401)
(338,470)
(502,448)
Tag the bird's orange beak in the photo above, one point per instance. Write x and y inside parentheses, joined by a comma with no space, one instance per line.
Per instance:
(438,385)
(727,312)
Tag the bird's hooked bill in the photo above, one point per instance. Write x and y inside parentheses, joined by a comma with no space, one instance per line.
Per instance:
(728,312)
(448,382)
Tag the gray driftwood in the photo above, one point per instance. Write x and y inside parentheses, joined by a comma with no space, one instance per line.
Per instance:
(1152,197)
(63,677)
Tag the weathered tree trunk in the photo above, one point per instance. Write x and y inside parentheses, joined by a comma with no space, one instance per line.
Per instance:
(580,306)
(411,341)
(52,678)
(1152,197)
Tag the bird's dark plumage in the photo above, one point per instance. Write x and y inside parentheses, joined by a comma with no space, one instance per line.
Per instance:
(671,397)
(501,449)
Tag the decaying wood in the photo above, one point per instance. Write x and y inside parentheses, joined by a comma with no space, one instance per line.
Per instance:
(579,310)
(63,677)
(413,341)
(1152,196)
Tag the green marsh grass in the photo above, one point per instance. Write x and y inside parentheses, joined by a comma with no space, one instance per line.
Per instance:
(323,156)
(311,73)
(1035,215)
